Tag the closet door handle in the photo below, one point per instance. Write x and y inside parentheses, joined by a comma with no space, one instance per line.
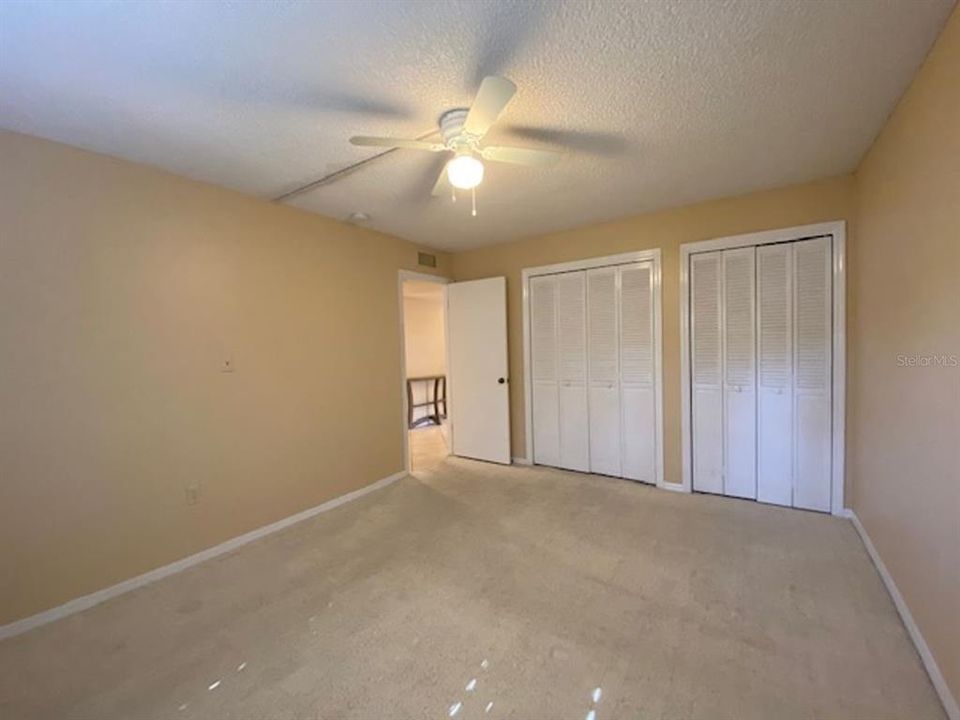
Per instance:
(501,380)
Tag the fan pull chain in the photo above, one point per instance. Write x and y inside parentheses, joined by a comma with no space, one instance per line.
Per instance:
(453,193)
(473,192)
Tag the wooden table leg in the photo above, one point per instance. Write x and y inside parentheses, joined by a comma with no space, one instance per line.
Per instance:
(409,404)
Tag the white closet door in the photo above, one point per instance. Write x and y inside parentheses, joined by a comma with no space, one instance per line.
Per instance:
(739,369)
(812,362)
(775,374)
(637,389)
(706,372)
(543,348)
(603,371)
(572,370)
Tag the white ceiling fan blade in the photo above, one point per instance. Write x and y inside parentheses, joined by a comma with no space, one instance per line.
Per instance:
(520,156)
(366,141)
(442,186)
(492,97)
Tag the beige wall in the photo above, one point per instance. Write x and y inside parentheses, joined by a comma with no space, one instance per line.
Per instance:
(797,205)
(122,290)
(424,331)
(904,431)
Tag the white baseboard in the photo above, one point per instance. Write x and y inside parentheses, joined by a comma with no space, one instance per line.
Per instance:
(521,461)
(939,684)
(672,487)
(79,604)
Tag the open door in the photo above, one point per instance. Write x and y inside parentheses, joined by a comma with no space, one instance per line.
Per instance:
(477,346)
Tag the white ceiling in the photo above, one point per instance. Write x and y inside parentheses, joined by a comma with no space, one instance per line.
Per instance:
(666,102)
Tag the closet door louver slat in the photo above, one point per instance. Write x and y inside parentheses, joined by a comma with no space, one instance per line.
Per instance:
(604,371)
(574,451)
(636,317)
(602,288)
(775,370)
(543,346)
(740,399)
(637,395)
(707,365)
(812,361)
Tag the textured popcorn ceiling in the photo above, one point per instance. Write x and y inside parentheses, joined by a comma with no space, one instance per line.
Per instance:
(665,102)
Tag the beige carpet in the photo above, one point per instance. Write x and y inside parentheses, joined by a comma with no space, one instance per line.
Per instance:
(478,591)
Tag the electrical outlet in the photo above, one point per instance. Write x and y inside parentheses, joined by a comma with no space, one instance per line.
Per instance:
(226,365)
(193,493)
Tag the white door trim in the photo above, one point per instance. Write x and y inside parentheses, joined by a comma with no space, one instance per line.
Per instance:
(839,232)
(653,255)
(402,276)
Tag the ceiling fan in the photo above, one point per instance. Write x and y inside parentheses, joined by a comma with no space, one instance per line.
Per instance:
(462,131)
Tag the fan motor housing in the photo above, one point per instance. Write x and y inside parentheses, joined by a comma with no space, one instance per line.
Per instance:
(451,128)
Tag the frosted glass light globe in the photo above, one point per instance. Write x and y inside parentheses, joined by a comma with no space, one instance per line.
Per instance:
(465,172)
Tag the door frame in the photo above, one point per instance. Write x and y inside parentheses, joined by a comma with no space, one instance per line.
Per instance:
(403,276)
(653,256)
(838,230)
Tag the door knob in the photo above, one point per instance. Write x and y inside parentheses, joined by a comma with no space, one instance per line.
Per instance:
(501,380)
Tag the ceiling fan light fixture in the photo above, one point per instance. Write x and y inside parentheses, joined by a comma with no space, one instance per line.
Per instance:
(462,131)
(465,172)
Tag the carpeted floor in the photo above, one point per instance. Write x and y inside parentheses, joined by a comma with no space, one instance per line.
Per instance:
(479,591)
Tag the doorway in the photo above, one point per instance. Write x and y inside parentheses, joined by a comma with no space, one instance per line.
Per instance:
(592,364)
(763,366)
(425,376)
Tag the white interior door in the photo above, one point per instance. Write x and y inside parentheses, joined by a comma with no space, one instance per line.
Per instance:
(544,388)
(604,371)
(813,352)
(479,396)
(706,372)
(739,370)
(574,448)
(775,374)
(637,386)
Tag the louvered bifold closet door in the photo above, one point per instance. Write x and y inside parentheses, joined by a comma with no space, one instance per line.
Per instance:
(543,348)
(739,369)
(775,374)
(603,371)
(572,370)
(637,389)
(813,351)
(706,371)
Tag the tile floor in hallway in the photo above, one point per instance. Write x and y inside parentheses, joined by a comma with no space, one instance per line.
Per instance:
(428,447)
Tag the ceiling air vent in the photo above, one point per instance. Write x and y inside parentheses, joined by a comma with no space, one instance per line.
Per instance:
(426,259)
